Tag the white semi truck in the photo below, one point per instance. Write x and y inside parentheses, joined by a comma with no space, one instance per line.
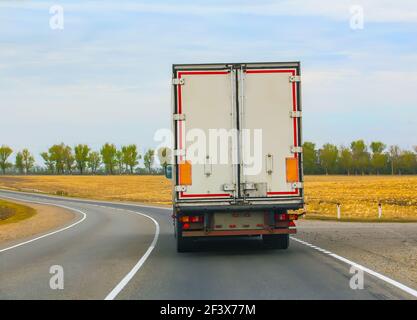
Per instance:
(237,157)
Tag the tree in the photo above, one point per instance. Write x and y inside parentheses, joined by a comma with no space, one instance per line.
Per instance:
(310,159)
(19,162)
(164,154)
(360,156)
(130,156)
(28,160)
(377,147)
(5,152)
(345,160)
(407,162)
(81,152)
(57,156)
(328,157)
(378,160)
(69,159)
(49,163)
(394,155)
(94,161)
(108,153)
(119,159)
(148,159)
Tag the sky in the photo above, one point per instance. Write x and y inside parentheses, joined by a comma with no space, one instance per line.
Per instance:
(105,77)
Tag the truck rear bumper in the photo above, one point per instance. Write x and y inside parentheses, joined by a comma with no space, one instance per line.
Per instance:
(213,207)
(221,233)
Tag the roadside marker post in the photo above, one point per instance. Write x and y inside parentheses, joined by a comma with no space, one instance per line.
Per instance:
(338,211)
(379,210)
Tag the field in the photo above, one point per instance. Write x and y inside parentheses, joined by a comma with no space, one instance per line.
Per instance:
(13,212)
(359,196)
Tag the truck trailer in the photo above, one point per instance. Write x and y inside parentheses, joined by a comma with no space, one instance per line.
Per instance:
(237,157)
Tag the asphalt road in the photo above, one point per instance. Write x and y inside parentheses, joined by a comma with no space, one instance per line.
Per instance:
(115,251)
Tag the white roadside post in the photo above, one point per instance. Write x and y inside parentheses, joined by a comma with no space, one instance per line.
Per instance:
(379,210)
(338,210)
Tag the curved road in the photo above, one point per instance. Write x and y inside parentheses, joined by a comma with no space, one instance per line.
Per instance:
(127,251)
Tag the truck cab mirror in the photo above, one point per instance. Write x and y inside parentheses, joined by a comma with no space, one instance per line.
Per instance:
(168,171)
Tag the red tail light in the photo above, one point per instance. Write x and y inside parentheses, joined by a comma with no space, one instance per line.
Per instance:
(196,219)
(186,226)
(291,224)
(281,217)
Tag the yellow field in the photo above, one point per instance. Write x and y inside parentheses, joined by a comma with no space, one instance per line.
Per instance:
(358,195)
(13,212)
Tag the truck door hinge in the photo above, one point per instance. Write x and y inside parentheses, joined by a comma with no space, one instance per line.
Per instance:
(228,187)
(249,186)
(295,114)
(295,149)
(179,116)
(295,78)
(178,81)
(180,188)
(297,185)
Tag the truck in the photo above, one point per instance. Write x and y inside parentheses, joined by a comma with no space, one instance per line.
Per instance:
(236,165)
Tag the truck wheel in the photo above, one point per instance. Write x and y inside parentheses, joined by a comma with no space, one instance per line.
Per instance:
(276,241)
(183,244)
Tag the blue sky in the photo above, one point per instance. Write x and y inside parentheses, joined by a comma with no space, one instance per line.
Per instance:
(106,75)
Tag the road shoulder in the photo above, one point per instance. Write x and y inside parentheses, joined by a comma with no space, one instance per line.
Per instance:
(47,219)
(387,248)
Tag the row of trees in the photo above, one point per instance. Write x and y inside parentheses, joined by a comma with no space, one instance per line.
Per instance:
(358,159)
(63,159)
(329,159)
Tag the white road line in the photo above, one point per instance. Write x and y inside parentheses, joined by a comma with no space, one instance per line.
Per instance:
(119,287)
(358,266)
(50,233)
(113,294)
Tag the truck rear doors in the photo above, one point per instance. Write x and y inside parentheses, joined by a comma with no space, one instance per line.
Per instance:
(237,132)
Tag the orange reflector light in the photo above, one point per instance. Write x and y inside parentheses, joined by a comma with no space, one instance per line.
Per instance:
(292,169)
(185,177)
(185,219)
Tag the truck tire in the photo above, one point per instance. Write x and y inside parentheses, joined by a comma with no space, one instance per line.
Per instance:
(276,241)
(183,244)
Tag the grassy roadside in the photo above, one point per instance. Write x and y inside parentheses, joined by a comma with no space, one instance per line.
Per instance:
(12,212)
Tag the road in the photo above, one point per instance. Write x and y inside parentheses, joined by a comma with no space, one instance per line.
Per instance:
(127,251)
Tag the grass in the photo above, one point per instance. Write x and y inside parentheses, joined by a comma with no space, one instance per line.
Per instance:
(12,212)
(358,195)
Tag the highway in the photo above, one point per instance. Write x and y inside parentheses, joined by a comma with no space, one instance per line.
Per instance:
(127,251)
